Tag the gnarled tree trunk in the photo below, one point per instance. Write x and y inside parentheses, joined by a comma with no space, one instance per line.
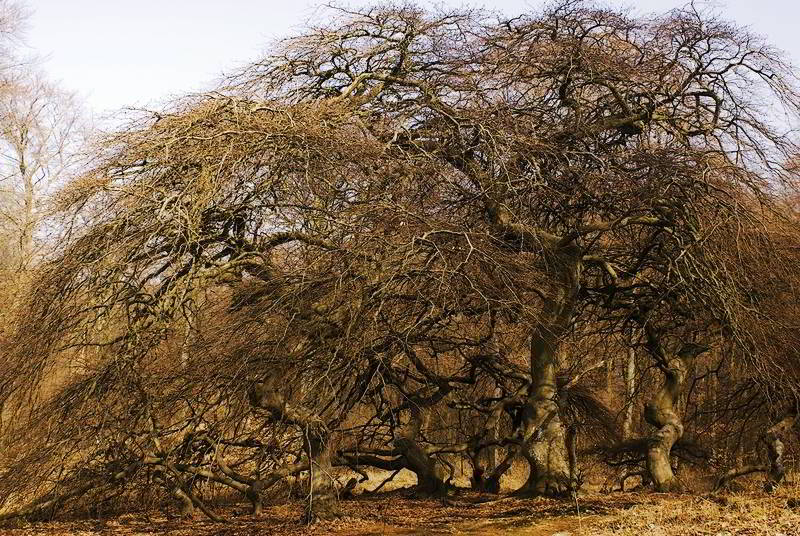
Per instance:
(776,470)
(318,445)
(430,478)
(543,432)
(322,499)
(491,483)
(545,437)
(662,412)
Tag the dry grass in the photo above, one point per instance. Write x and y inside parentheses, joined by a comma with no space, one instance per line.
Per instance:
(395,513)
(709,515)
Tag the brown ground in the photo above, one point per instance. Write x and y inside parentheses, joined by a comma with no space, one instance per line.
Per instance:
(623,514)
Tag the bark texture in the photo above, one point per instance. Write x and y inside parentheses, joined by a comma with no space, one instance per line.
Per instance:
(322,497)
(543,432)
(776,470)
(486,460)
(185,504)
(572,450)
(630,391)
(430,477)
(735,473)
(662,413)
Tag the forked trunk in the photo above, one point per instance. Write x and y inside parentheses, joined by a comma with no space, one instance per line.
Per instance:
(487,461)
(491,483)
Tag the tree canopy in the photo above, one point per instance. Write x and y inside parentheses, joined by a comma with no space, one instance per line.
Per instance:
(409,238)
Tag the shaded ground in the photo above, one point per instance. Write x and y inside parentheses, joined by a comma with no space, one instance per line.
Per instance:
(623,514)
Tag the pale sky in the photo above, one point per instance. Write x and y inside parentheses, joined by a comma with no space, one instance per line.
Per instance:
(118,53)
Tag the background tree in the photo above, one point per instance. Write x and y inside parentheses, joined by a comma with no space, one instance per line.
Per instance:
(40,129)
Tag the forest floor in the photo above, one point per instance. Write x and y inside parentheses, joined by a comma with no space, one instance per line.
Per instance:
(395,513)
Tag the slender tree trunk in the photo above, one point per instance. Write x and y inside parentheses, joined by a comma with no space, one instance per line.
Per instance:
(630,389)
(487,460)
(491,482)
(662,412)
(493,452)
(714,381)
(28,216)
(187,341)
(572,452)
(185,504)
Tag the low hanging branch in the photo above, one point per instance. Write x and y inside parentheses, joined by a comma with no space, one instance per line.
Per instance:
(49,506)
(775,469)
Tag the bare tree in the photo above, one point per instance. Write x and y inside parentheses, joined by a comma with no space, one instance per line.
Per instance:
(402,239)
(39,135)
